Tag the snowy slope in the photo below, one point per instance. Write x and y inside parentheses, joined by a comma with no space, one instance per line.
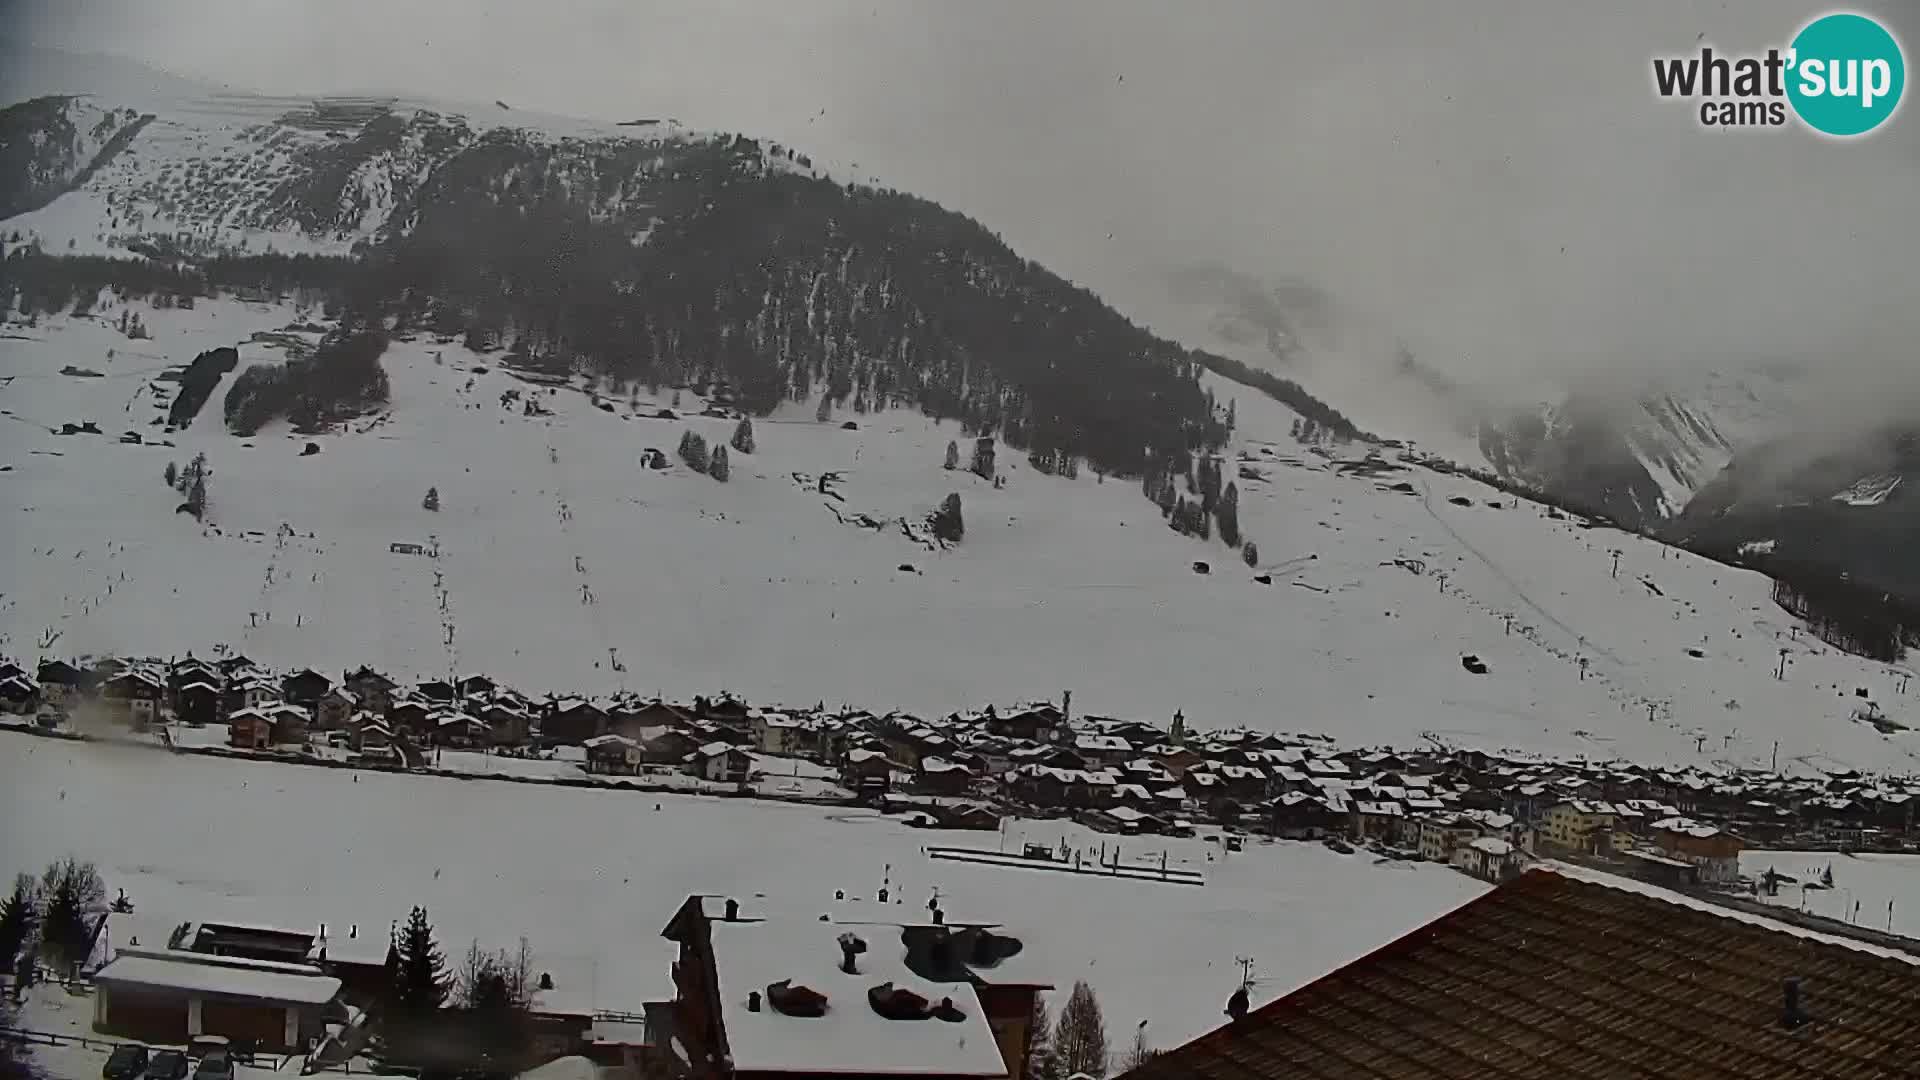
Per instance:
(590,878)
(767,587)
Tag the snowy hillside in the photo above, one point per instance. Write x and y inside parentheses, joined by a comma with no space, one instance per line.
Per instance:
(565,563)
(53,144)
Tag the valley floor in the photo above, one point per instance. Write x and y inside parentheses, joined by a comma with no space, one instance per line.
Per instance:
(591,879)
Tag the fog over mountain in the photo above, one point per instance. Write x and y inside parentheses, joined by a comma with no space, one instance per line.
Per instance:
(1492,190)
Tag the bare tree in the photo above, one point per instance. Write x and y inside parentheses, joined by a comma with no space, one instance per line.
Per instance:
(1081,1036)
(1140,1053)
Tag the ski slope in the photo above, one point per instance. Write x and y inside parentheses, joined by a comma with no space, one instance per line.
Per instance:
(590,878)
(565,564)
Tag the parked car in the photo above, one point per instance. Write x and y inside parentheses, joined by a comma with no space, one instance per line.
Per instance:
(215,1066)
(203,1045)
(168,1065)
(127,1062)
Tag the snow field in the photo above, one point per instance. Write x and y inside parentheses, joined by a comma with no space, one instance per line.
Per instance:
(590,878)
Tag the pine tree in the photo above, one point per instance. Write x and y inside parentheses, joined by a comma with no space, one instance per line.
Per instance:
(1250,552)
(743,436)
(825,412)
(422,982)
(197,496)
(717,465)
(953,455)
(432,501)
(17,917)
(693,451)
(73,895)
(1227,513)
(947,523)
(1043,1062)
(1081,1036)
(172,474)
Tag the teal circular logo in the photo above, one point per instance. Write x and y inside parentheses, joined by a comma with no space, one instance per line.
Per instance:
(1846,74)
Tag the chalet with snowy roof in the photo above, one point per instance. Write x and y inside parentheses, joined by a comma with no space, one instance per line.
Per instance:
(436,691)
(191,670)
(457,729)
(938,776)
(614,755)
(1297,815)
(19,695)
(409,715)
(508,723)
(373,690)
(806,996)
(266,726)
(572,721)
(305,687)
(1568,973)
(197,702)
(136,693)
(331,711)
(1101,750)
(774,732)
(1039,722)
(1713,850)
(638,721)
(720,762)
(235,663)
(369,734)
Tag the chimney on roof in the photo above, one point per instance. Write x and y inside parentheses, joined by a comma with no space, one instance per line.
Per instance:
(353,931)
(733,910)
(1792,1013)
(939,917)
(850,947)
(753,1001)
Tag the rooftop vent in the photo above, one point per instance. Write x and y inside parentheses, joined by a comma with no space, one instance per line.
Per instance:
(948,1011)
(733,910)
(790,1000)
(1237,1004)
(753,1001)
(850,948)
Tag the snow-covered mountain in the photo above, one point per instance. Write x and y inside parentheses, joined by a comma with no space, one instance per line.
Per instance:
(548,288)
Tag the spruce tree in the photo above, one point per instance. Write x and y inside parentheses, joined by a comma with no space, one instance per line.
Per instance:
(73,895)
(1250,552)
(953,455)
(717,465)
(432,501)
(172,474)
(1227,513)
(1080,1038)
(422,981)
(743,436)
(1043,1061)
(947,523)
(17,917)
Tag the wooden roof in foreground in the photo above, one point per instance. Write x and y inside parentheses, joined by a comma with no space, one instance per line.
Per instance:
(1560,976)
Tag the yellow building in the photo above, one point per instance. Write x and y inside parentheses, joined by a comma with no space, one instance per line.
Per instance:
(1574,823)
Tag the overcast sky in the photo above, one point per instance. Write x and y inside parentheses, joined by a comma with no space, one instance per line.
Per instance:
(1419,167)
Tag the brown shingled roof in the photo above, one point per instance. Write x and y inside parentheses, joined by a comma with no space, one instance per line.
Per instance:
(1558,977)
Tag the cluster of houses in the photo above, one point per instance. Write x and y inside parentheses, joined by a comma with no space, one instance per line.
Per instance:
(1483,811)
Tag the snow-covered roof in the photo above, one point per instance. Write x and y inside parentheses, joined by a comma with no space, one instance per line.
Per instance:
(609,740)
(1491,845)
(200,974)
(851,1037)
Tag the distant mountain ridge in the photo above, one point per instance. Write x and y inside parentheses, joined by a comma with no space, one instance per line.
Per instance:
(648,255)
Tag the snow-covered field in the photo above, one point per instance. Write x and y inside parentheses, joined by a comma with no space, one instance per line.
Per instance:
(764,586)
(590,878)
(1885,888)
